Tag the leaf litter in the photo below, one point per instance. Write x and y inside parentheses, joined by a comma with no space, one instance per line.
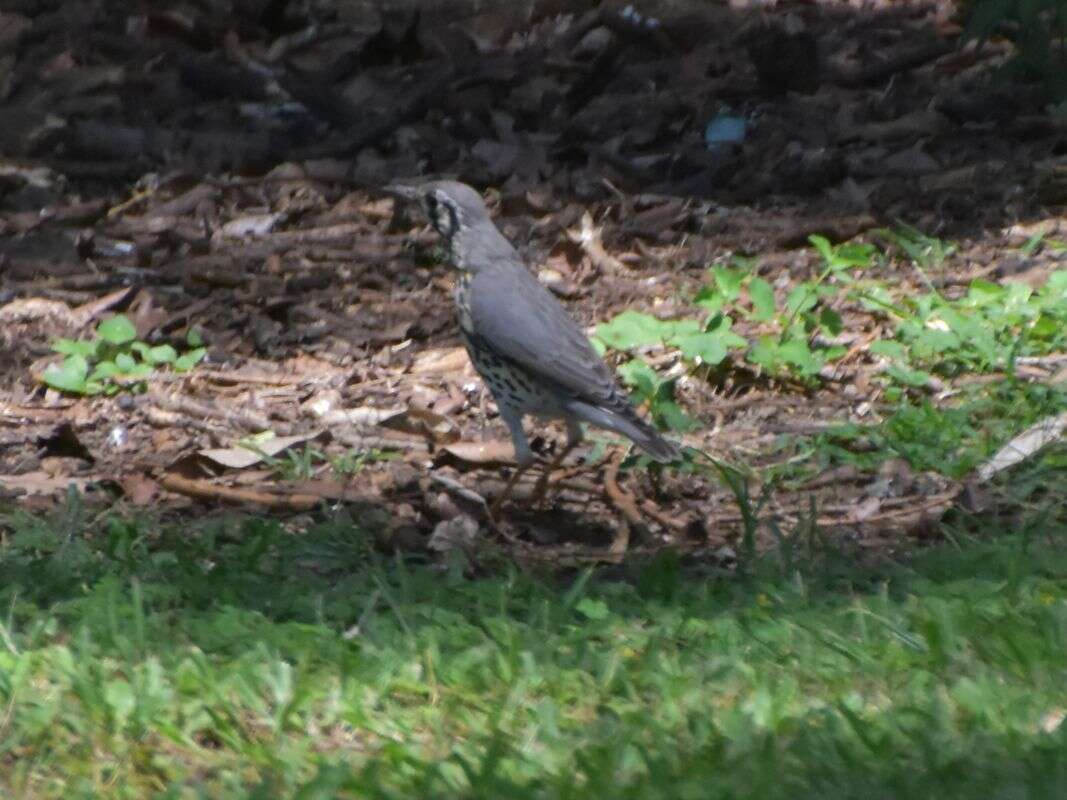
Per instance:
(214,172)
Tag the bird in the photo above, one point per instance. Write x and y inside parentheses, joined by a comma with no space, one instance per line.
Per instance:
(523,343)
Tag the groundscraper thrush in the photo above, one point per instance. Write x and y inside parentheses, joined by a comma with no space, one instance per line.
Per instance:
(532,355)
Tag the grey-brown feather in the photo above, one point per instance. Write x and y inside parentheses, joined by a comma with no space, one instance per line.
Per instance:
(519,319)
(530,351)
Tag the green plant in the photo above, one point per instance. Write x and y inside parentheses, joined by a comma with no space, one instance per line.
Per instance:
(700,343)
(706,343)
(303,463)
(984,330)
(353,461)
(113,359)
(951,440)
(807,311)
(657,393)
(297,464)
(928,253)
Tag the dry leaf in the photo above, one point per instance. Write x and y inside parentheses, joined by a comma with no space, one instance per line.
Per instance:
(253,225)
(461,532)
(138,488)
(240,457)
(87,312)
(40,482)
(1051,720)
(32,309)
(867,509)
(497,451)
(1023,446)
(588,238)
(422,422)
(452,360)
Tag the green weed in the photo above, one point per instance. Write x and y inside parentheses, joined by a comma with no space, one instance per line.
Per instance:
(705,343)
(113,359)
(981,332)
(304,463)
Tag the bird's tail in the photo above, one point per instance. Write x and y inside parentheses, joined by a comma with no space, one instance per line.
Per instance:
(625,420)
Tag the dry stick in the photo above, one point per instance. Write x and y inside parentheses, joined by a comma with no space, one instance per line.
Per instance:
(254,378)
(903,507)
(565,479)
(205,490)
(237,417)
(541,487)
(668,522)
(460,490)
(159,418)
(369,441)
(623,502)
(1040,361)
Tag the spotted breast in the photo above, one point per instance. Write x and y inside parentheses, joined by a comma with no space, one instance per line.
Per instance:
(463,306)
(510,384)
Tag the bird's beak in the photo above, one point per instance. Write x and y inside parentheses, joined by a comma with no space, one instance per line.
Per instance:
(402,191)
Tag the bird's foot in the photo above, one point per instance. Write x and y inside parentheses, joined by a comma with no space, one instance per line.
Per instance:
(498,503)
(493,510)
(541,487)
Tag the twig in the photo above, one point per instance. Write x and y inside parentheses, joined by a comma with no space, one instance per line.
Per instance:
(264,378)
(668,522)
(459,489)
(205,490)
(1040,361)
(624,502)
(361,441)
(238,417)
(342,232)
(158,418)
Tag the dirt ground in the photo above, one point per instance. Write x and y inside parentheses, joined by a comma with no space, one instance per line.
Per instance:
(214,165)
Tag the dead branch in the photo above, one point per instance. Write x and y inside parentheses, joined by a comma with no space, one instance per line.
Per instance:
(206,490)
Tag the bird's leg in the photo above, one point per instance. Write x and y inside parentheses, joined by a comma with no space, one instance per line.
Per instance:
(523,456)
(574,438)
(541,488)
(494,508)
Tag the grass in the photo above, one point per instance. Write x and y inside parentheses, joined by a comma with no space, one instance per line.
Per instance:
(236,658)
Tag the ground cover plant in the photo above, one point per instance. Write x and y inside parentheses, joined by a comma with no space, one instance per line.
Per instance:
(113,358)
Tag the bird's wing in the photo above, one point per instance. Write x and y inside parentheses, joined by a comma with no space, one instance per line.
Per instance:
(514,315)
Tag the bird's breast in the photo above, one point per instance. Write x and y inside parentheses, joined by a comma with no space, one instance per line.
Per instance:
(463,304)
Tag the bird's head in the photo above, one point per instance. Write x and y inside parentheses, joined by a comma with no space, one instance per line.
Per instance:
(458,213)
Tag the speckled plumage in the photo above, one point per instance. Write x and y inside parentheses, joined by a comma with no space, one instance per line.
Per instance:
(530,352)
